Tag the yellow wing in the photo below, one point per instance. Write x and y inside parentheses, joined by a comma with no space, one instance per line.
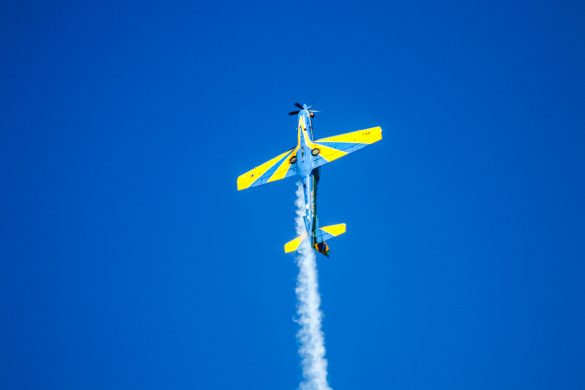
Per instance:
(337,146)
(274,169)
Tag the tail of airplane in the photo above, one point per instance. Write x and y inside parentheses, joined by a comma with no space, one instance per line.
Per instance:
(323,233)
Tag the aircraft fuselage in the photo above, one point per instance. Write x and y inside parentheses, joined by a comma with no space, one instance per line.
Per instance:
(309,175)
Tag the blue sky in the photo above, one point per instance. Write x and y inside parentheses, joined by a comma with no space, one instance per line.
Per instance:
(130,261)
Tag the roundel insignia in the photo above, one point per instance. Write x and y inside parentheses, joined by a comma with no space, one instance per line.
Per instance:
(315,151)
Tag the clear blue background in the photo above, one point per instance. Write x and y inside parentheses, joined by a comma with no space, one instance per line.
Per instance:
(129,260)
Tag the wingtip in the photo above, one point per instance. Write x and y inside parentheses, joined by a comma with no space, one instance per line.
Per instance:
(239,183)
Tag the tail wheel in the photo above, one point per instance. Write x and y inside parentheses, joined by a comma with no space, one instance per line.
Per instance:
(293,159)
(315,152)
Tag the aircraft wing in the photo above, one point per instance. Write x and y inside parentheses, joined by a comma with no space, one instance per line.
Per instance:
(337,146)
(274,169)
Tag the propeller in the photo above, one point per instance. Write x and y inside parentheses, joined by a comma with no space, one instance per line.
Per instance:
(302,107)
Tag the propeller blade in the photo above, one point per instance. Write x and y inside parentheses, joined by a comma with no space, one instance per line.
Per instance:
(299,106)
(293,113)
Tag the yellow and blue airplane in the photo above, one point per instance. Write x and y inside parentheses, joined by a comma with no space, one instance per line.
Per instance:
(305,160)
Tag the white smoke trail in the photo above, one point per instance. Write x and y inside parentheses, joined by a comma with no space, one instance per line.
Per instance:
(310,335)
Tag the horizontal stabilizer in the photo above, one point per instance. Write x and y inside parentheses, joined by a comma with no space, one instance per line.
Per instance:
(292,245)
(326,232)
(322,234)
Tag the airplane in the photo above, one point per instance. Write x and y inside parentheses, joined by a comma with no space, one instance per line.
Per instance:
(305,160)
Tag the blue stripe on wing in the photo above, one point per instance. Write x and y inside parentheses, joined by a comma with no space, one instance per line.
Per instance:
(264,178)
(347,147)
